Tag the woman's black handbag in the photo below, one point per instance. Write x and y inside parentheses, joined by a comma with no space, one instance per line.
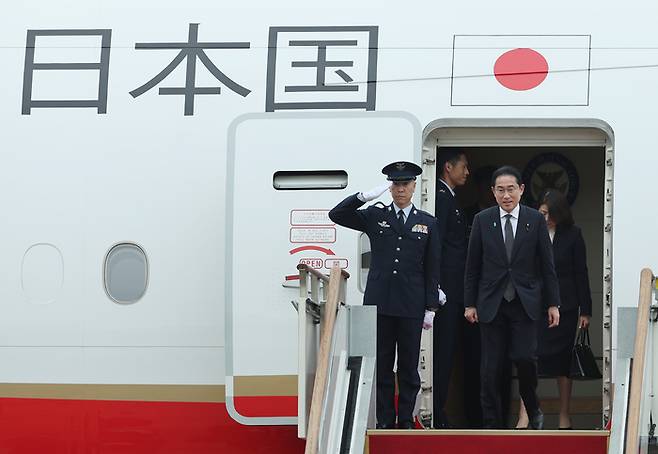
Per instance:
(583,363)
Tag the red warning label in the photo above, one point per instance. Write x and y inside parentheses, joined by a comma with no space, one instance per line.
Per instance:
(316,263)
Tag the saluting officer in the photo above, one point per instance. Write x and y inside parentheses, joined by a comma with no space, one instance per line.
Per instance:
(402,282)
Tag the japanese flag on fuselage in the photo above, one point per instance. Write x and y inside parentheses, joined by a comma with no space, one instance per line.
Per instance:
(508,70)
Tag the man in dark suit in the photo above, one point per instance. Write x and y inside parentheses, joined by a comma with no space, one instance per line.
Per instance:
(452,167)
(510,279)
(403,283)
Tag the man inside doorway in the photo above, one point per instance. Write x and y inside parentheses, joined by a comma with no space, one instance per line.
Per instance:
(510,278)
(452,167)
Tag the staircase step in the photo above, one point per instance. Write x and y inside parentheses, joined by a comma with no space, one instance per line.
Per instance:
(487,441)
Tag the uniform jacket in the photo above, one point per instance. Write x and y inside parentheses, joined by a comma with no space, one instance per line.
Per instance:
(531,268)
(452,229)
(404,268)
(571,268)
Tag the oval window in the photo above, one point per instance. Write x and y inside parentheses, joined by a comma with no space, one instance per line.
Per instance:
(126,273)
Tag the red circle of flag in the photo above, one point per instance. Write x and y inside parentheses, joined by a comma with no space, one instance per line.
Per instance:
(521,69)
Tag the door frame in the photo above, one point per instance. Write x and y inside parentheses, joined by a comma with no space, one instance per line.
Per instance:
(527,132)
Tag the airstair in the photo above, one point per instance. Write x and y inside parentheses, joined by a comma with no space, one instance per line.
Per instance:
(337,351)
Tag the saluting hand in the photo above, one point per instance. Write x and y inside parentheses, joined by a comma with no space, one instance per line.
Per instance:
(471,314)
(372,194)
(553,316)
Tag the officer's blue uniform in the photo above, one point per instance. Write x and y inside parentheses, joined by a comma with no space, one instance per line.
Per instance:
(450,320)
(402,283)
(399,283)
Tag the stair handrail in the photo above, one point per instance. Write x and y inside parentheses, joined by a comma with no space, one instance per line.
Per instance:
(337,279)
(632,438)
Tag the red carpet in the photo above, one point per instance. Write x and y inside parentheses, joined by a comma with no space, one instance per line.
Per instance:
(487,442)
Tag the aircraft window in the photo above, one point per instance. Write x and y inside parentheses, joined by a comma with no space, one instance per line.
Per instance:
(309,179)
(125,273)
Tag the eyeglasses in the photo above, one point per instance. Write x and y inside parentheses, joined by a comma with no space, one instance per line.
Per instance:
(509,190)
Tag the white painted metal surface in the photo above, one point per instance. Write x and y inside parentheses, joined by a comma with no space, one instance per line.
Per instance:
(144,172)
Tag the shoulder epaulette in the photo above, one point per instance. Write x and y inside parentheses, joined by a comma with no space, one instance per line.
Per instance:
(380,205)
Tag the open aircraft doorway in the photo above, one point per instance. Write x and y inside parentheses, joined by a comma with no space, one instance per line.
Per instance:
(574,156)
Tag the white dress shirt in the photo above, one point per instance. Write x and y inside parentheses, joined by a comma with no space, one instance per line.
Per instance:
(514,220)
(447,186)
(406,211)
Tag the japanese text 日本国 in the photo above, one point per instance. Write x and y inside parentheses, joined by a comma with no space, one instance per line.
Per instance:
(323,67)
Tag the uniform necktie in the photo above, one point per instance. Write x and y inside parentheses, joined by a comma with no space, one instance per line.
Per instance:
(509,246)
(401,218)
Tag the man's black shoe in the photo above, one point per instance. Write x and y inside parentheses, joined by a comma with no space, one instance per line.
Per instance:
(443,425)
(536,421)
(385,426)
(406,425)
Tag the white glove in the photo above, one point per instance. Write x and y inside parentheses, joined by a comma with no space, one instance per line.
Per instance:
(374,192)
(442,297)
(428,321)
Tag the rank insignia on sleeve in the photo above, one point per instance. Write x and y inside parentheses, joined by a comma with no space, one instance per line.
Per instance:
(419,228)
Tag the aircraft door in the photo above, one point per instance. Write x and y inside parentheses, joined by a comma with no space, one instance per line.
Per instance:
(285,171)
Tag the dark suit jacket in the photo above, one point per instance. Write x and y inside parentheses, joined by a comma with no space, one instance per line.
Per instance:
(531,269)
(571,267)
(404,268)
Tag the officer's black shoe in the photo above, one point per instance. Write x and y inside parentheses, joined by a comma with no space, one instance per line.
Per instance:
(536,421)
(385,426)
(406,425)
(442,422)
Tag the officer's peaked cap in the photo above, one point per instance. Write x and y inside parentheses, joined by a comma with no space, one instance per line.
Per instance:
(402,171)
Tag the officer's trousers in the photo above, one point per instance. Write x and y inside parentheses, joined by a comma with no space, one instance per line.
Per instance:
(450,327)
(404,333)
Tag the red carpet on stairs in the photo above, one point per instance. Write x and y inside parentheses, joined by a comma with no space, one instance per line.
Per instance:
(487,442)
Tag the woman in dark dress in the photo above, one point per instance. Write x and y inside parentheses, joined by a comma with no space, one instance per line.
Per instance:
(555,345)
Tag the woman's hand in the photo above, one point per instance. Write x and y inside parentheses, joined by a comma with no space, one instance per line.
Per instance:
(583,322)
